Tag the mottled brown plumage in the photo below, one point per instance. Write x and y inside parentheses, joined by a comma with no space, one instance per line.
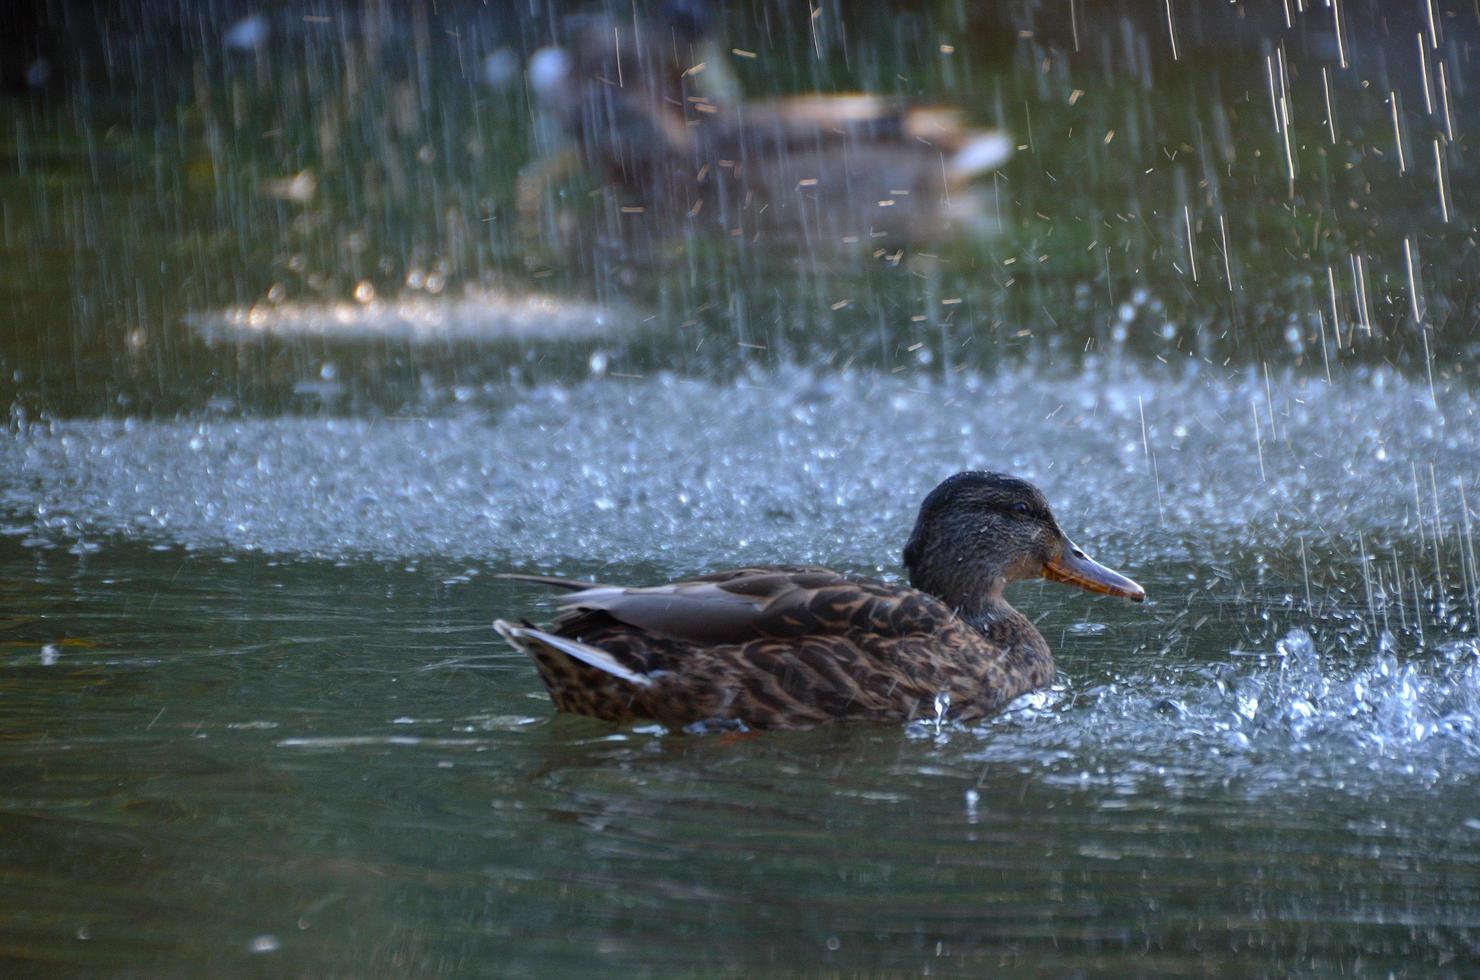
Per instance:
(798,646)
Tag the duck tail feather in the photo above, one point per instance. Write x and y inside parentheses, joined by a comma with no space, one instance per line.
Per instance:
(553,581)
(523,637)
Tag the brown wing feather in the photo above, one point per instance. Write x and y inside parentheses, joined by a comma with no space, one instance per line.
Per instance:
(749,570)
(853,605)
(713,609)
(746,604)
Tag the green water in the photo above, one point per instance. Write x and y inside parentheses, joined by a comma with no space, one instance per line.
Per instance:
(253,719)
(334,767)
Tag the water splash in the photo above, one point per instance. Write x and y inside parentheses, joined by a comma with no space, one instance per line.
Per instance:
(942,708)
(1271,721)
(790,465)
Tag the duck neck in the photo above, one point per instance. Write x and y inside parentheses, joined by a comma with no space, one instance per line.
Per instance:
(976,603)
(1024,661)
(982,605)
(1000,622)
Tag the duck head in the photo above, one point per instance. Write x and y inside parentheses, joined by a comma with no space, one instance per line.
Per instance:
(978,531)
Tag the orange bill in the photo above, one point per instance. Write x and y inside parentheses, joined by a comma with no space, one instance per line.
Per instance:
(1074,567)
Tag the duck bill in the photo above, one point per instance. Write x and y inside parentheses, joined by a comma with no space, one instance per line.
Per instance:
(1074,567)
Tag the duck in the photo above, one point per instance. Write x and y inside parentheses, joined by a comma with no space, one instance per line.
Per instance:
(799,646)
(653,110)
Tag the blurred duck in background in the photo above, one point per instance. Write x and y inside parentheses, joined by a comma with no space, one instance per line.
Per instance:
(653,110)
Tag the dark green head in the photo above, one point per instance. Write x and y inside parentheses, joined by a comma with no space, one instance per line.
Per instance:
(978,531)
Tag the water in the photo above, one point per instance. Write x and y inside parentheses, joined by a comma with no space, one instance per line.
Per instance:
(338,761)
(786,462)
(281,407)
(252,670)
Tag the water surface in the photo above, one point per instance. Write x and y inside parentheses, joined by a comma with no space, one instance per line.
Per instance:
(254,699)
(288,387)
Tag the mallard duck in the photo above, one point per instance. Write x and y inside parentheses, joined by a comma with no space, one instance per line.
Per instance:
(652,109)
(800,646)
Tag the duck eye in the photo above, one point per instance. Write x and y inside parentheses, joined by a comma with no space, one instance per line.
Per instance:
(1020,508)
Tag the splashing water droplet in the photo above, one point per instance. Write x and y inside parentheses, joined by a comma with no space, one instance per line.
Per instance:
(942,705)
